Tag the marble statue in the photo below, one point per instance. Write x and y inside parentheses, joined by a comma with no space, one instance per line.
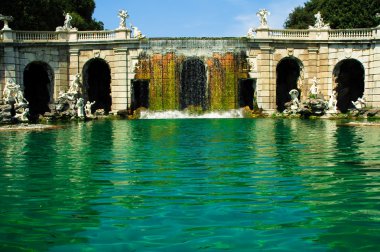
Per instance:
(251,33)
(319,23)
(123,15)
(6,19)
(360,103)
(263,17)
(12,93)
(295,102)
(136,32)
(332,102)
(88,108)
(80,107)
(66,24)
(76,85)
(314,90)
(24,115)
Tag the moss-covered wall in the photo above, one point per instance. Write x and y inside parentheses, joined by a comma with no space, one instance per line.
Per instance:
(164,74)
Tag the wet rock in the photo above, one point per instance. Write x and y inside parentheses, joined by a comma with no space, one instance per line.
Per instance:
(123,113)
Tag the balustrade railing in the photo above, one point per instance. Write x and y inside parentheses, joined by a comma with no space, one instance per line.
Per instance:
(96,35)
(36,36)
(351,34)
(289,34)
(280,34)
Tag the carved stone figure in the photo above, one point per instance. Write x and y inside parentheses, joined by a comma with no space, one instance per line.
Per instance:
(13,93)
(360,103)
(88,108)
(295,102)
(332,102)
(136,32)
(251,33)
(76,85)
(314,90)
(319,23)
(66,24)
(123,15)
(263,17)
(80,107)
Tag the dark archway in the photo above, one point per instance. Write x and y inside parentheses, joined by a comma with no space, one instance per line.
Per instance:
(193,84)
(247,89)
(38,87)
(349,75)
(288,72)
(97,83)
(140,94)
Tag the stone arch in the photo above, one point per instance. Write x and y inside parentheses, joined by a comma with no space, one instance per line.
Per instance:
(349,76)
(193,88)
(38,86)
(288,72)
(97,84)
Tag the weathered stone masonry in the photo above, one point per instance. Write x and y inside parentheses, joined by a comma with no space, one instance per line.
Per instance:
(317,52)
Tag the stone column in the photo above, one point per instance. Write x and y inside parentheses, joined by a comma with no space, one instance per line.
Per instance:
(119,85)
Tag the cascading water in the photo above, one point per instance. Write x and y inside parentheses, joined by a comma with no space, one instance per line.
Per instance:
(199,74)
(175,114)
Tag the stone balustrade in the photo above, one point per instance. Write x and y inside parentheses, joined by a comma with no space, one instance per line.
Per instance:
(96,35)
(36,36)
(289,34)
(266,33)
(352,34)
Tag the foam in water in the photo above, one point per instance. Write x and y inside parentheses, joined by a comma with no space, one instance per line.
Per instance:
(175,114)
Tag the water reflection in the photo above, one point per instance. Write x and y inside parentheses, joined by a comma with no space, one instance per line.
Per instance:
(185,185)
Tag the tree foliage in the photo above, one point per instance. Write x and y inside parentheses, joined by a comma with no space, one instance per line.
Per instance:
(46,15)
(340,14)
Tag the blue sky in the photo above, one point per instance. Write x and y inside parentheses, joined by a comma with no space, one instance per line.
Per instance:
(194,18)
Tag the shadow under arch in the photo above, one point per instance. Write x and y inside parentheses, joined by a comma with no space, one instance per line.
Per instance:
(288,72)
(193,89)
(97,84)
(38,87)
(349,75)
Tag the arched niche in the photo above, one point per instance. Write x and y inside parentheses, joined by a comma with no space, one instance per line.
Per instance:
(193,88)
(288,72)
(38,87)
(97,84)
(349,75)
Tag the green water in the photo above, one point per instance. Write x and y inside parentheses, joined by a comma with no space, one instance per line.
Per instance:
(191,185)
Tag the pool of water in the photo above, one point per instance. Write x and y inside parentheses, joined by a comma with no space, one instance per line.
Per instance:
(195,184)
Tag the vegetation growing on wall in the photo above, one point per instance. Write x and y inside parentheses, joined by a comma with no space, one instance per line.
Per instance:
(164,74)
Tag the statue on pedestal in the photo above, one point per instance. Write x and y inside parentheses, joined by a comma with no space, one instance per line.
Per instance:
(80,107)
(295,102)
(6,19)
(314,90)
(319,23)
(123,15)
(66,24)
(88,108)
(136,32)
(263,16)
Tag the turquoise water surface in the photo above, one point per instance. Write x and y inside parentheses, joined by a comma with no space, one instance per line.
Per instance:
(191,185)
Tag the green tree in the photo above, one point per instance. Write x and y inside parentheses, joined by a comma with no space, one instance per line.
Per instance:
(46,15)
(340,14)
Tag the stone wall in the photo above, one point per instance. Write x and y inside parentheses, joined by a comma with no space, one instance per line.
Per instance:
(317,54)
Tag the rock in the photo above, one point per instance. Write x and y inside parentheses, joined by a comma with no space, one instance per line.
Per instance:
(123,113)
(372,113)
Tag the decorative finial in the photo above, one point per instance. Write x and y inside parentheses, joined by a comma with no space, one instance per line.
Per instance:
(6,19)
(66,24)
